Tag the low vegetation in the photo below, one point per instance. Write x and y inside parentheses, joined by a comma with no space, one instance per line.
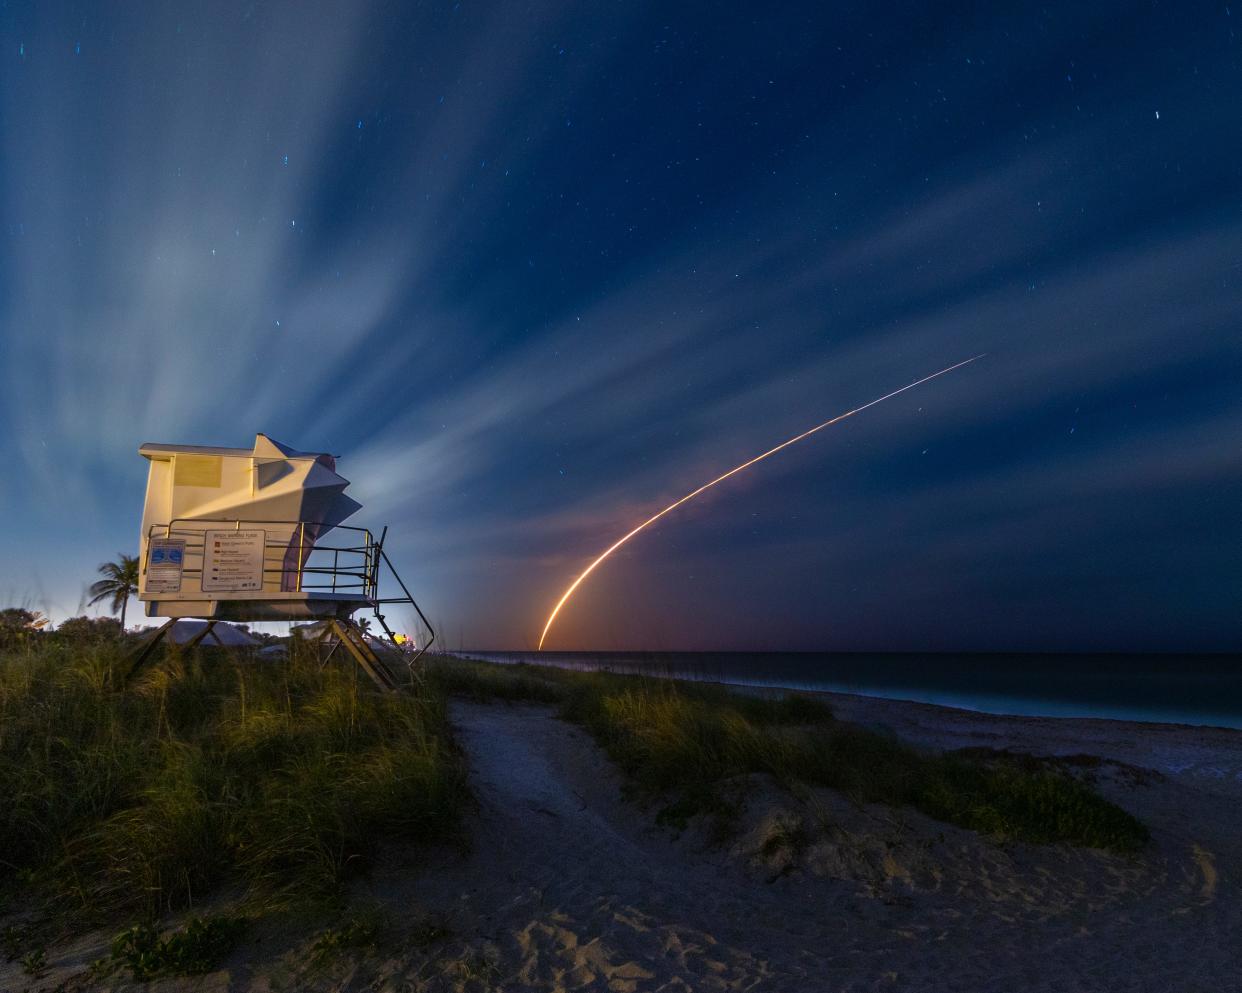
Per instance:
(197,948)
(690,745)
(276,781)
(362,930)
(271,784)
(490,681)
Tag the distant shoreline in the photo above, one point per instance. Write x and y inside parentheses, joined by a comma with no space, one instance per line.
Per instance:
(1095,704)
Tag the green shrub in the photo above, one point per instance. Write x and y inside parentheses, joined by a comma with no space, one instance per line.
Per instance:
(200,947)
(363,930)
(77,630)
(34,962)
(1044,807)
(15,628)
(278,778)
(15,939)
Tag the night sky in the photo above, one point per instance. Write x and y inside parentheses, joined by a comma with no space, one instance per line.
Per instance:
(535,270)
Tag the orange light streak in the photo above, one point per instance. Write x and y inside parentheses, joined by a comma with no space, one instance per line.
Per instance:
(721,478)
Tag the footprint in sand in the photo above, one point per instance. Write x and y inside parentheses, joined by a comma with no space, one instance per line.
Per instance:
(1206,862)
(1207,865)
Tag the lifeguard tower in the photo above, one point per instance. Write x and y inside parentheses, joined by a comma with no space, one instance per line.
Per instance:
(237,534)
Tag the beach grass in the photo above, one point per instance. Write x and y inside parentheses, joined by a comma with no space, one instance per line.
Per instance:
(486,681)
(689,744)
(275,780)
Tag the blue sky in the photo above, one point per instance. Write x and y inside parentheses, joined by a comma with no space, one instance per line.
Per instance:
(533,271)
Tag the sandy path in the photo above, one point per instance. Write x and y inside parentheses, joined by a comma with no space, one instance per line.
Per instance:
(571,888)
(566,884)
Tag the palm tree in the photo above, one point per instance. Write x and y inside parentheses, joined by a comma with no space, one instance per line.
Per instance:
(120,582)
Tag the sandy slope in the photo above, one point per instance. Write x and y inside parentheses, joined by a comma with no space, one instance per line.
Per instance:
(570,887)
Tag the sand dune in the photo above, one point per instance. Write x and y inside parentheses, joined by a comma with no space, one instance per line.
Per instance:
(860,898)
(569,887)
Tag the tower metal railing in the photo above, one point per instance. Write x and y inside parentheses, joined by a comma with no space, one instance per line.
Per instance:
(294,561)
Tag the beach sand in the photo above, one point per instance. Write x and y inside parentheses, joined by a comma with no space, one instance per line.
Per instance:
(570,887)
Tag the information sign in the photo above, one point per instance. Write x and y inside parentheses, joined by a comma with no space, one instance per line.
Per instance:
(233,561)
(165,558)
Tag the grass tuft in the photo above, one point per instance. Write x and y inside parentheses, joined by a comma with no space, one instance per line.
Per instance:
(275,779)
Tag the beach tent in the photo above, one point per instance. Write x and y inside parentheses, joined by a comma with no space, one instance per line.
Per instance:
(317,630)
(311,632)
(221,635)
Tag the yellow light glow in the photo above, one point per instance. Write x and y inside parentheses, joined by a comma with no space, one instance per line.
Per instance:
(720,479)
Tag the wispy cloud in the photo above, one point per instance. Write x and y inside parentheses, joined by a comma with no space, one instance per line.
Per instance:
(390,239)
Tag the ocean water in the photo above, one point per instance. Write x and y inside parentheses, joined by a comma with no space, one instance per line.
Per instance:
(1177,689)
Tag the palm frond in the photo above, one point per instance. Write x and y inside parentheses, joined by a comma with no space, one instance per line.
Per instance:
(120,582)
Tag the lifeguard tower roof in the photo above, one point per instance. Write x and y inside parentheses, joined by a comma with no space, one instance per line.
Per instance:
(263,445)
(229,533)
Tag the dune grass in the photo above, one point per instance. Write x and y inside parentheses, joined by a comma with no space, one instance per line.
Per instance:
(276,780)
(483,681)
(689,745)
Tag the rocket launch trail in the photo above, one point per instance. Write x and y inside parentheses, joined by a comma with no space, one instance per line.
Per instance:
(721,478)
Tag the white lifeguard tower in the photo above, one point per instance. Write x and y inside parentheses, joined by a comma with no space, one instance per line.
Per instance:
(235,534)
